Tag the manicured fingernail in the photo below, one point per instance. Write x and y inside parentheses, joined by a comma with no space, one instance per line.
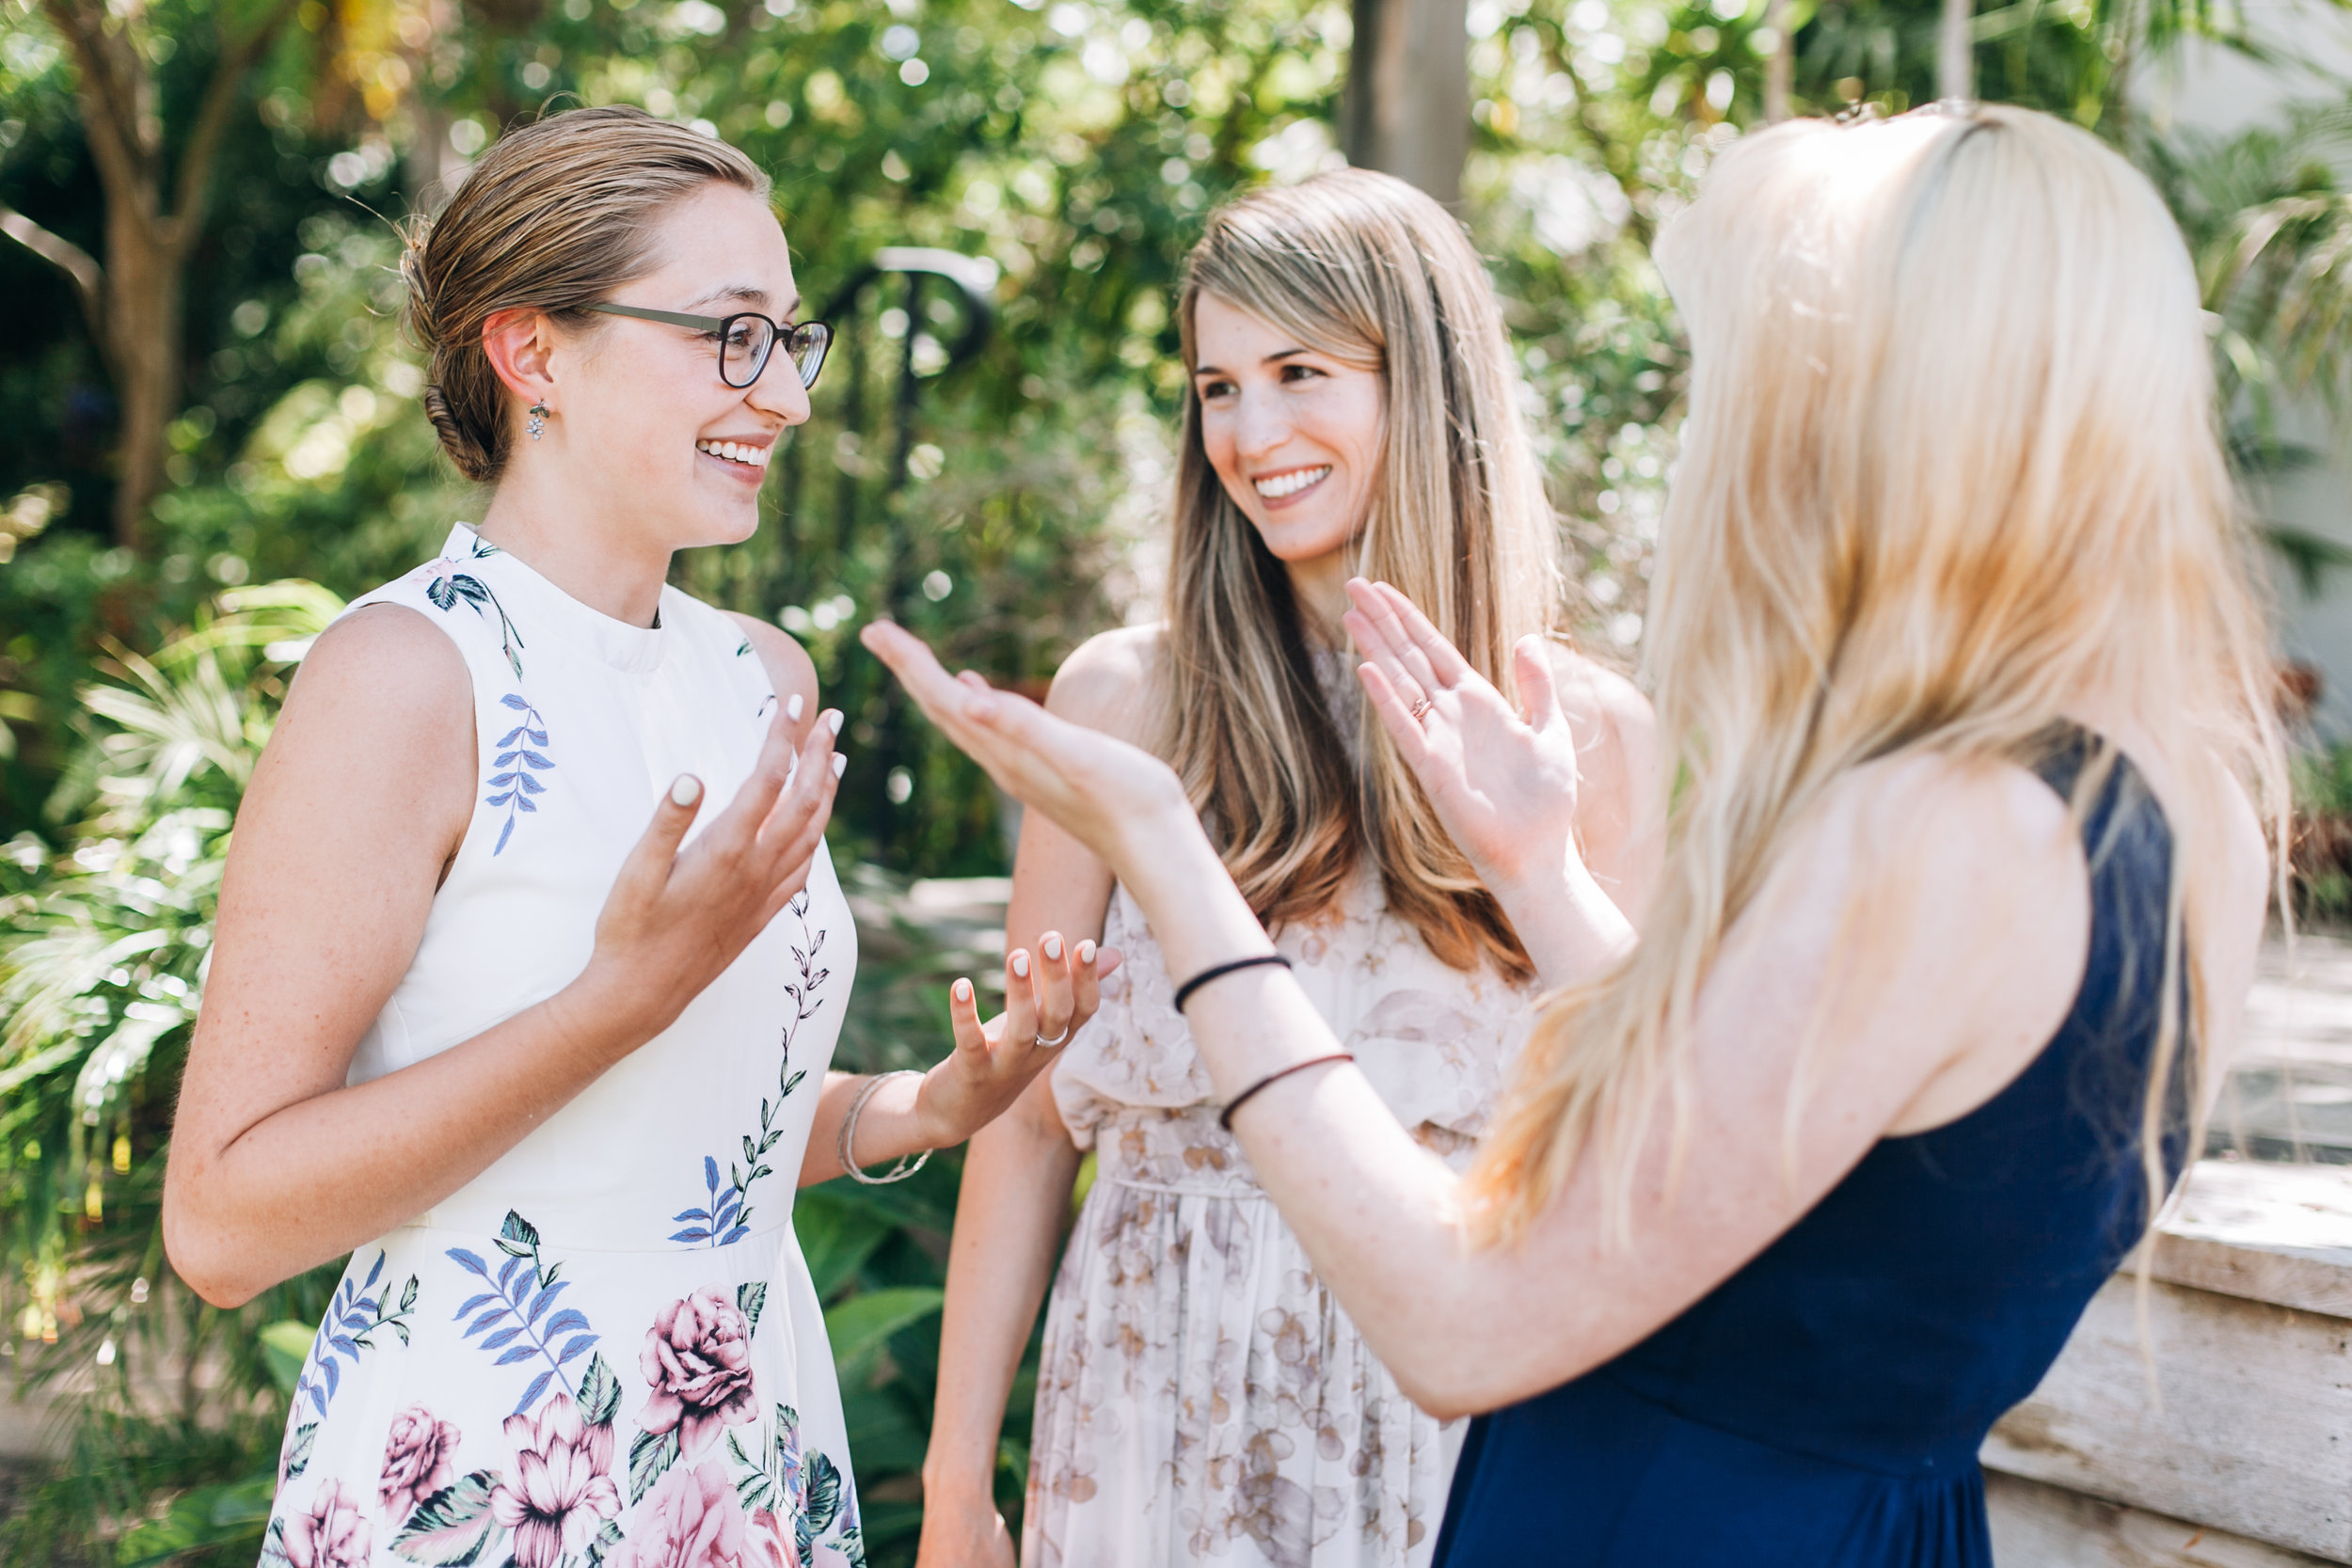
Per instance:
(1085,953)
(964,991)
(688,789)
(1021,963)
(833,720)
(840,762)
(1053,949)
(794,708)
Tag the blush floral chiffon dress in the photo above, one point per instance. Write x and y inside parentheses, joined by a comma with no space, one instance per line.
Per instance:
(604,1352)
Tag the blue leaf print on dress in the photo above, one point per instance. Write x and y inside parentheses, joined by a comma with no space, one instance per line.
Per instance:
(518,758)
(448,589)
(725,1216)
(521,1319)
(352,1316)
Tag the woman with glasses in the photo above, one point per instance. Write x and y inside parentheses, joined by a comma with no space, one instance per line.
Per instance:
(530,960)
(1202,1397)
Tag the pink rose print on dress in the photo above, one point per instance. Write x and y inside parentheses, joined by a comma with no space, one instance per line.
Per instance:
(561,1490)
(330,1533)
(691,1520)
(698,1357)
(416,1460)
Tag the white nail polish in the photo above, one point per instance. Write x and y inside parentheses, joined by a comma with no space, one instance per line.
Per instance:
(964,991)
(688,789)
(793,708)
(1086,952)
(1053,949)
(840,762)
(834,720)
(1021,965)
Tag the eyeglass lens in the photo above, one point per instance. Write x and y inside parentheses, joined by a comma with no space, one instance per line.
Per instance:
(744,347)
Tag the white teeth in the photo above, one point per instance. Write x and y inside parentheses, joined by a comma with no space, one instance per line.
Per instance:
(1290,484)
(735,452)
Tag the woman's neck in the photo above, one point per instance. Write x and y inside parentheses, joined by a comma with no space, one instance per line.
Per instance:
(1319,589)
(579,545)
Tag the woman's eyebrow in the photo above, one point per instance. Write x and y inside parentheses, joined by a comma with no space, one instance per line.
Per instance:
(748,293)
(1272,359)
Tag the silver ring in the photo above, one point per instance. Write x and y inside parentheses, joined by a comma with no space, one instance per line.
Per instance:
(1062,1038)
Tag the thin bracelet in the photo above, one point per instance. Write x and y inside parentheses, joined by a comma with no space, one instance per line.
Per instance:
(898,1172)
(1225,1118)
(1219,972)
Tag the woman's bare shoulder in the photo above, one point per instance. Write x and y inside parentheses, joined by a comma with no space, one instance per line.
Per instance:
(1113,682)
(390,660)
(380,721)
(787,664)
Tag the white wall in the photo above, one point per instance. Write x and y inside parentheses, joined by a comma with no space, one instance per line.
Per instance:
(2206,88)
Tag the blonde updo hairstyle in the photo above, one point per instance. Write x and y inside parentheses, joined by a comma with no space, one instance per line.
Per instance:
(557,215)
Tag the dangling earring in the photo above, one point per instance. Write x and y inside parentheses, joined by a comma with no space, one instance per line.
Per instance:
(538,420)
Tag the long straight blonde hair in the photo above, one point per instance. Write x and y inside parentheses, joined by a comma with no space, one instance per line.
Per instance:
(1951,457)
(1367,269)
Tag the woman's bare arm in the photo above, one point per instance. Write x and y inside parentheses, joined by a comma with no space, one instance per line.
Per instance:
(1018,1173)
(359,802)
(1621,801)
(1970,950)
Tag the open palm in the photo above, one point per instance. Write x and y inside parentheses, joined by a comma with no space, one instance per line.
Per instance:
(1505,784)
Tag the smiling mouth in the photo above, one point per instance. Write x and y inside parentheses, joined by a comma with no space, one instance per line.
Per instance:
(734,452)
(1275,487)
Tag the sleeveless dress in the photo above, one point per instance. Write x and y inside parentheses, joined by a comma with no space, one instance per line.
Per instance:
(1823,1407)
(1201,1397)
(604,1351)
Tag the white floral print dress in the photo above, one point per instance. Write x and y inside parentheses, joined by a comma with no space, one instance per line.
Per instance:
(605,1352)
(1202,1397)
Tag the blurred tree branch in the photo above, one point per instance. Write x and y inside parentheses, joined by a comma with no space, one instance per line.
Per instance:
(133,301)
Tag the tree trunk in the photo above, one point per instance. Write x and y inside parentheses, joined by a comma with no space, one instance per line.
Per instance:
(135,304)
(1780,67)
(145,280)
(1408,106)
(1956,53)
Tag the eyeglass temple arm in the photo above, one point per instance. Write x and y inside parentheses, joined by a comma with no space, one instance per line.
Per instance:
(669,318)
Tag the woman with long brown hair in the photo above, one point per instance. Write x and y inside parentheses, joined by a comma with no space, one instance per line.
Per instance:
(1966,693)
(1200,1395)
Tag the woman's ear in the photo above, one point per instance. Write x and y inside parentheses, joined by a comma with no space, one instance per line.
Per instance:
(520,344)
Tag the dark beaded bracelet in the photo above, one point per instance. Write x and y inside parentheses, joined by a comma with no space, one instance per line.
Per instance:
(1225,1118)
(1219,972)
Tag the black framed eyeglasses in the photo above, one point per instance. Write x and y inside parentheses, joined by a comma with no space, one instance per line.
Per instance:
(746,339)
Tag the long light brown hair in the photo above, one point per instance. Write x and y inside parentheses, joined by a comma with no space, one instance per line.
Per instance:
(1952,457)
(1367,269)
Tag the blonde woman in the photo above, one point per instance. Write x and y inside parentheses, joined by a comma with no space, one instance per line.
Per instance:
(1200,1396)
(1966,689)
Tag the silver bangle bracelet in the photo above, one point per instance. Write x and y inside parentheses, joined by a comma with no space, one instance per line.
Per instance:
(908,1164)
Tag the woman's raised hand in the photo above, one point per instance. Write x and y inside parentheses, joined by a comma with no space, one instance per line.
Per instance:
(674,920)
(1504,783)
(1047,997)
(1111,796)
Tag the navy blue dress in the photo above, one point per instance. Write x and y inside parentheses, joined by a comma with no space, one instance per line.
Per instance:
(1823,1407)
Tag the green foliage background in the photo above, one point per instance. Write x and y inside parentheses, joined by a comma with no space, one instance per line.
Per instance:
(1076,145)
